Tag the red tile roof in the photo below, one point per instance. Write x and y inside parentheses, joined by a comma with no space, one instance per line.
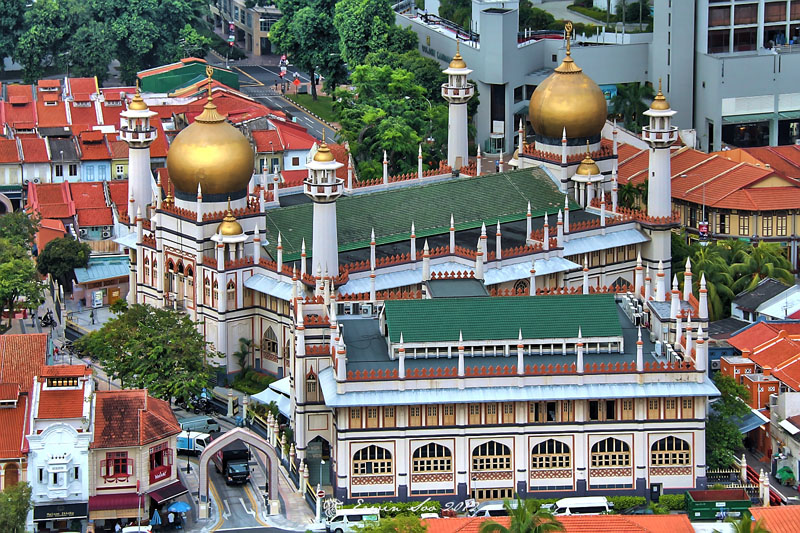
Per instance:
(119,149)
(83,87)
(55,211)
(118,190)
(8,151)
(20,93)
(782,519)
(98,216)
(262,139)
(57,404)
(294,137)
(293,178)
(340,154)
(61,371)
(775,353)
(12,438)
(19,108)
(577,524)
(93,146)
(83,115)
(48,230)
(21,358)
(51,116)
(88,194)
(51,193)
(783,159)
(159,147)
(761,332)
(49,84)
(34,150)
(9,391)
(131,418)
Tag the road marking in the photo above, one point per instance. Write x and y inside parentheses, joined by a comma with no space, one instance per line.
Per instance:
(219,506)
(225,515)
(258,83)
(253,503)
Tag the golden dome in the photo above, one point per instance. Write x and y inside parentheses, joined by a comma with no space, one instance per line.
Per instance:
(568,99)
(137,104)
(659,102)
(212,153)
(229,225)
(324,153)
(588,167)
(458,61)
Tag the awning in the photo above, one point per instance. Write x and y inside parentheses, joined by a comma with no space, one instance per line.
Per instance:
(612,239)
(743,119)
(790,428)
(751,421)
(113,502)
(273,287)
(128,241)
(168,492)
(268,396)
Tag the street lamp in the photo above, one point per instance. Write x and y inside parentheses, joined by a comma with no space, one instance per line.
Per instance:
(321,463)
(189,443)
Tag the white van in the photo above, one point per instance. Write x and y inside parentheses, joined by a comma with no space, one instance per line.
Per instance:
(588,505)
(493,508)
(350,520)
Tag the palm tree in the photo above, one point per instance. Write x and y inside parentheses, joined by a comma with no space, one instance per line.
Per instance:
(708,261)
(630,102)
(746,524)
(526,517)
(765,261)
(242,355)
(734,250)
(628,195)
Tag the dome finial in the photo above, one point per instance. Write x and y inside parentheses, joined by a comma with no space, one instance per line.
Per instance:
(209,114)
(209,74)
(137,104)
(567,34)
(229,224)
(458,61)
(659,102)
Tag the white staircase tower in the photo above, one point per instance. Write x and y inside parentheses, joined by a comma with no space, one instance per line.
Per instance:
(323,187)
(457,92)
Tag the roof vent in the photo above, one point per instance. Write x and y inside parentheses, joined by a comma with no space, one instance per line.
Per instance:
(767,165)
(684,175)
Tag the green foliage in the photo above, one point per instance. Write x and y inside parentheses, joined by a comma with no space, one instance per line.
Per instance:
(630,103)
(746,524)
(251,382)
(399,524)
(629,11)
(60,257)
(220,45)
(397,509)
(322,106)
(534,18)
(458,11)
(242,355)
(47,26)
(622,503)
(717,486)
(673,502)
(161,350)
(91,49)
(600,15)
(15,503)
(680,251)
(366,25)
(527,516)
(767,260)
(709,261)
(19,227)
(12,20)
(427,72)
(723,438)
(19,283)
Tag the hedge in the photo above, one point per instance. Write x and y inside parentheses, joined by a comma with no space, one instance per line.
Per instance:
(623,503)
(674,502)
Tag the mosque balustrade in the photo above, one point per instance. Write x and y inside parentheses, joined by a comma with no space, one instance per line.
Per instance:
(442,169)
(238,263)
(180,212)
(458,94)
(506,370)
(210,262)
(149,241)
(138,134)
(660,135)
(253,208)
(381,296)
(605,151)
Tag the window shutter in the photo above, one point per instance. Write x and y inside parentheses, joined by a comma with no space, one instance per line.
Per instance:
(130,466)
(103,468)
(168,455)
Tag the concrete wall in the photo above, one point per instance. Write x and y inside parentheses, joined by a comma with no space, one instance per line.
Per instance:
(671,55)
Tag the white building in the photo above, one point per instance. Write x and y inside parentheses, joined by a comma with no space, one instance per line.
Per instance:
(60,431)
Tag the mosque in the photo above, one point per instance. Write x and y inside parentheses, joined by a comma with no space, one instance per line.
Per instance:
(450,333)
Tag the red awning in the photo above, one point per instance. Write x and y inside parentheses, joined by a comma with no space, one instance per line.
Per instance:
(112,502)
(168,492)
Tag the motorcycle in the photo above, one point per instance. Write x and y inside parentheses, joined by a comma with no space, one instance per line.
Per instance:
(47,320)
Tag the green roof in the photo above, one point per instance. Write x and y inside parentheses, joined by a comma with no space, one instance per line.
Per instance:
(481,318)
(472,201)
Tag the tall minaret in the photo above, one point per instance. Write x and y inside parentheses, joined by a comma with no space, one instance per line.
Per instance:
(139,134)
(323,187)
(458,92)
(660,134)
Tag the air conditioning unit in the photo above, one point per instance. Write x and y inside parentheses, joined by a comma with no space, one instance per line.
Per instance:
(36,180)
(366,309)
(82,232)
(106,234)
(786,451)
(715,364)
(637,319)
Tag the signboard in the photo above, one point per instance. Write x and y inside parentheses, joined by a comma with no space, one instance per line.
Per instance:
(97,299)
(60,512)
(159,473)
(231,38)
(320,493)
(296,82)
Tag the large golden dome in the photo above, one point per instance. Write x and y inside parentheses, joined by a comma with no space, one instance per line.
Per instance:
(568,99)
(212,153)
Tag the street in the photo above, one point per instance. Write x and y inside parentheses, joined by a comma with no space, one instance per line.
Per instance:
(258,81)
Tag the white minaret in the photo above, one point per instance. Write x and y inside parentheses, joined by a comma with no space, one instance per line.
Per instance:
(323,187)
(139,134)
(660,134)
(457,92)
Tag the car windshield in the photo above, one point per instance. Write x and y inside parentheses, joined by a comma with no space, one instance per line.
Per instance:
(237,468)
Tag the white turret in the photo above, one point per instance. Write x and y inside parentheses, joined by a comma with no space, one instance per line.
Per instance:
(457,92)
(687,280)
(137,131)
(323,187)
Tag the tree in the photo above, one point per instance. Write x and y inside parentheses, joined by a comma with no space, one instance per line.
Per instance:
(680,251)
(630,104)
(746,524)
(533,18)
(15,503)
(12,18)
(734,250)
(458,11)
(723,438)
(242,355)
(764,261)
(19,227)
(19,283)
(398,524)
(48,24)
(708,261)
(60,257)
(363,26)
(161,350)
(527,516)
(91,50)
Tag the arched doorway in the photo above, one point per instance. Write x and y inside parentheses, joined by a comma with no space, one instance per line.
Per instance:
(248,437)
(318,459)
(11,475)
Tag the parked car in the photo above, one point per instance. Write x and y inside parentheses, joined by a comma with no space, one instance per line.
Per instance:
(350,520)
(200,424)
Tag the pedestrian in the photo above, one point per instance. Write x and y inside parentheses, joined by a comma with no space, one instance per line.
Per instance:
(117,528)
(91,315)
(171,519)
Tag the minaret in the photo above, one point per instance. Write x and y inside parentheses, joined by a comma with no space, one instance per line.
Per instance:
(323,187)
(457,92)
(660,134)
(139,134)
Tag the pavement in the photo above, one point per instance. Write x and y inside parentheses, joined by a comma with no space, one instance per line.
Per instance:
(764,463)
(558,8)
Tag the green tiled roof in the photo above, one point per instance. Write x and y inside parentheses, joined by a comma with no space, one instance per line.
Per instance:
(472,201)
(481,318)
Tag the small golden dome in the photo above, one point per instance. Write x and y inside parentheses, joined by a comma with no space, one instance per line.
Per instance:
(458,61)
(210,152)
(516,154)
(659,102)
(229,225)
(137,104)
(568,99)
(588,167)
(324,154)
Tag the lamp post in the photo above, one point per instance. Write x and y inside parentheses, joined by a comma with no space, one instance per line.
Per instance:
(321,464)
(189,439)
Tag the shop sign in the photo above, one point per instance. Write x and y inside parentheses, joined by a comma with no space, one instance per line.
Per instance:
(160,473)
(60,512)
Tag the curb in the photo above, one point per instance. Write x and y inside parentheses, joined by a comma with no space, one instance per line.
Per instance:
(308,111)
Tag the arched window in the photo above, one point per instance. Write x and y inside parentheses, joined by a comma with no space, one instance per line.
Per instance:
(155,272)
(269,345)
(670,451)
(190,283)
(491,455)
(610,453)
(312,387)
(522,285)
(146,269)
(372,460)
(231,288)
(432,458)
(550,454)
